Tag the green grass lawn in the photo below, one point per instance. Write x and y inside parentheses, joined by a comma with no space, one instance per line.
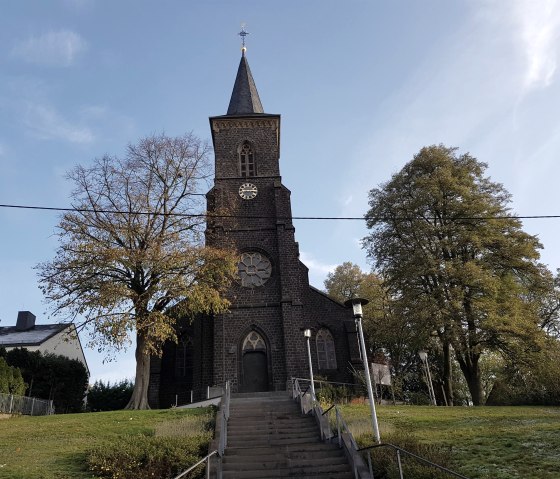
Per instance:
(486,442)
(53,447)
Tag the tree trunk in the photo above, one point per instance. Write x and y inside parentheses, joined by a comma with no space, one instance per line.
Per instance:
(447,373)
(139,398)
(475,387)
(471,371)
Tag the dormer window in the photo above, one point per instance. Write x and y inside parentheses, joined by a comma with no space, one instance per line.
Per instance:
(247,160)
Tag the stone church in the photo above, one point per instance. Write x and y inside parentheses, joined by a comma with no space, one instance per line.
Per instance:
(259,344)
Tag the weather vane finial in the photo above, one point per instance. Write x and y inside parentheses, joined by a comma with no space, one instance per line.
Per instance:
(243,33)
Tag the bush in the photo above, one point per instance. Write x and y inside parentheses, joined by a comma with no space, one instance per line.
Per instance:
(143,457)
(384,460)
(11,381)
(52,377)
(329,394)
(107,397)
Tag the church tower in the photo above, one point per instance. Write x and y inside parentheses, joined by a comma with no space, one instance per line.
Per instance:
(258,345)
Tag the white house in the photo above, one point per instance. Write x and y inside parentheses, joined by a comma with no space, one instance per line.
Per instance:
(61,338)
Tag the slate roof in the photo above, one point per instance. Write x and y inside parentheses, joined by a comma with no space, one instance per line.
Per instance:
(245,97)
(35,336)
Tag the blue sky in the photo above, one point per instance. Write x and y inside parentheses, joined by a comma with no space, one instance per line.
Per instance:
(361,87)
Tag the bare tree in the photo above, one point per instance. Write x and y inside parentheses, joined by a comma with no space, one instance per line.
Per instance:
(131,257)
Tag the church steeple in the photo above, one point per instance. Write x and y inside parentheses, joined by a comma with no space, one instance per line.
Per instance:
(245,97)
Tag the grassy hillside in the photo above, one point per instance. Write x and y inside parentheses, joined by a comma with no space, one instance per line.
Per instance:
(486,442)
(53,447)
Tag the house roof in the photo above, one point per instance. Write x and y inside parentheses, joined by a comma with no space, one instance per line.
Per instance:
(245,97)
(11,337)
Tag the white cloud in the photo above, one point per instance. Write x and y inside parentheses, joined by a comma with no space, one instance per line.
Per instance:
(317,270)
(539,30)
(58,48)
(47,124)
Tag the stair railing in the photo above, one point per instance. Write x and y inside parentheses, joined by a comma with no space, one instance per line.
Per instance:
(222,429)
(399,452)
(224,418)
(345,439)
(194,466)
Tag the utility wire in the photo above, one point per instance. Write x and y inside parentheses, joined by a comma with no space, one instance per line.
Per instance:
(329,218)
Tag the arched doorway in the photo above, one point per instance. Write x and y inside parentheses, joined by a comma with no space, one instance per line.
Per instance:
(254,366)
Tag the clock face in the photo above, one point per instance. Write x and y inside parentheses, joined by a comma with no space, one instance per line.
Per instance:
(247,191)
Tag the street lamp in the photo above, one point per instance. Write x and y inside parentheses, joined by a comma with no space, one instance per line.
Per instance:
(424,358)
(307,334)
(357,304)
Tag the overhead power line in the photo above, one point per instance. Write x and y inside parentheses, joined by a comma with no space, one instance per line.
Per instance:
(329,218)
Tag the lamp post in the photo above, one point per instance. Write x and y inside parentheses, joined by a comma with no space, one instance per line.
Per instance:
(307,334)
(357,304)
(424,358)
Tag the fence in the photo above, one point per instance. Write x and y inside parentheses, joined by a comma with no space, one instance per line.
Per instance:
(12,404)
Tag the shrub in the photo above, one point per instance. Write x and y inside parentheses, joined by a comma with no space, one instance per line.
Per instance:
(109,397)
(51,376)
(385,464)
(143,457)
(11,381)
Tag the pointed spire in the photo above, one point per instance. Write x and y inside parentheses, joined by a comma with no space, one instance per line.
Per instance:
(245,97)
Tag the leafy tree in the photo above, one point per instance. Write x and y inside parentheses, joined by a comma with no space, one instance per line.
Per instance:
(11,381)
(548,297)
(450,252)
(531,381)
(388,330)
(131,255)
(52,377)
(109,397)
(344,282)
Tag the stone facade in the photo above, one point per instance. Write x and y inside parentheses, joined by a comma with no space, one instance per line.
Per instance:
(259,343)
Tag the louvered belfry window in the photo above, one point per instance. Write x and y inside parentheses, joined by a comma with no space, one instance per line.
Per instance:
(326,356)
(247,160)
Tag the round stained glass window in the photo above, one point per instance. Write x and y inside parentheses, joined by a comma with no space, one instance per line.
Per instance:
(254,269)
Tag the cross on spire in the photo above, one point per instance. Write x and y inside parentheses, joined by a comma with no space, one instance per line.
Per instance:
(243,33)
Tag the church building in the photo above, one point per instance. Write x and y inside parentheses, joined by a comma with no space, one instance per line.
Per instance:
(259,344)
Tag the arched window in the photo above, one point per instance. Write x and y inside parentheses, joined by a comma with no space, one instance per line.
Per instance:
(326,356)
(254,342)
(247,160)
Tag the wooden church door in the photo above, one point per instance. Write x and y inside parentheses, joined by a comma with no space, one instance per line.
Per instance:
(254,363)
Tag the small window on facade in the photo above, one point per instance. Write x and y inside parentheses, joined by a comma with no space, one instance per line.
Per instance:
(247,160)
(326,356)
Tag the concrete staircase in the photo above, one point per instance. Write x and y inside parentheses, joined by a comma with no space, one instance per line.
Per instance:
(268,437)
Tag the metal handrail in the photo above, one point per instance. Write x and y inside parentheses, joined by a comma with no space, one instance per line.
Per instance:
(222,437)
(224,417)
(349,444)
(342,428)
(327,382)
(400,450)
(206,458)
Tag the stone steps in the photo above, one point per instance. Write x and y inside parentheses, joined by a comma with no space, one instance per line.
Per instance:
(268,437)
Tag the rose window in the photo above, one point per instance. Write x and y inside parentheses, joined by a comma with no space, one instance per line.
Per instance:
(254,269)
